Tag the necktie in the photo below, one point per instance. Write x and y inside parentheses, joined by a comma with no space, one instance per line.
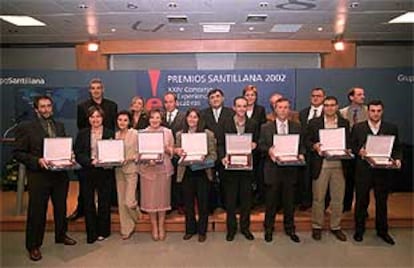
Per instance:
(282,128)
(50,131)
(216,115)
(315,113)
(169,119)
(355,117)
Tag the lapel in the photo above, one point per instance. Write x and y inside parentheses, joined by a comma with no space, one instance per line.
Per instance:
(39,129)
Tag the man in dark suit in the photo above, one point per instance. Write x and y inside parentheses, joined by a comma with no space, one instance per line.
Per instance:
(42,182)
(280,180)
(326,174)
(367,177)
(237,184)
(258,114)
(174,120)
(305,115)
(214,118)
(355,112)
(110,108)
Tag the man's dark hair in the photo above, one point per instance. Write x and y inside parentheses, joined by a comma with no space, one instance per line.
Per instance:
(375,103)
(331,98)
(41,97)
(238,98)
(213,91)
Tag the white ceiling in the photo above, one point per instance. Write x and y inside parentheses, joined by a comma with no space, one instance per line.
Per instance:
(67,23)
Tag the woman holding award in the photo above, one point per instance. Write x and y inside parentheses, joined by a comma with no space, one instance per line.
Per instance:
(196,177)
(155,179)
(126,176)
(98,222)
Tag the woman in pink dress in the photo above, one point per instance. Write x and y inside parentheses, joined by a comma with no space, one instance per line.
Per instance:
(155,179)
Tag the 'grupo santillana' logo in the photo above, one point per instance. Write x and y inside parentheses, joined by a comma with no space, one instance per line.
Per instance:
(22,81)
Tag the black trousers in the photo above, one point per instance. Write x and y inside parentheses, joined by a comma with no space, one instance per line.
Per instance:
(281,191)
(41,186)
(304,195)
(238,186)
(349,185)
(82,180)
(176,188)
(196,186)
(97,221)
(258,165)
(379,180)
(216,194)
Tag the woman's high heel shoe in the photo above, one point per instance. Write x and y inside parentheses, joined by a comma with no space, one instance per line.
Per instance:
(155,236)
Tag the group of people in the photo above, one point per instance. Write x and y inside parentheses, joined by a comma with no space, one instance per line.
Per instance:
(171,185)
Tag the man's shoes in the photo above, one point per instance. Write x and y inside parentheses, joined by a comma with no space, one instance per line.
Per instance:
(91,240)
(268,236)
(316,234)
(230,236)
(67,241)
(387,238)
(358,237)
(202,238)
(339,235)
(35,254)
(247,234)
(187,236)
(75,215)
(293,237)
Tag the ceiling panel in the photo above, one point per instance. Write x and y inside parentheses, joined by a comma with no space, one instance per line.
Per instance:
(66,22)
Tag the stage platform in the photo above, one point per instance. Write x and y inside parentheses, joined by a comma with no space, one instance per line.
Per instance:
(400,214)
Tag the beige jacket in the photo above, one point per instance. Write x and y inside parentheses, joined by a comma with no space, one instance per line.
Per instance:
(131,151)
(212,154)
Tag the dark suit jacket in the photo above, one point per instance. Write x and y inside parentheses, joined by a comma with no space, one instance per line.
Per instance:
(359,134)
(312,137)
(303,117)
(109,107)
(210,122)
(259,115)
(177,124)
(29,142)
(271,170)
(230,127)
(82,146)
(143,122)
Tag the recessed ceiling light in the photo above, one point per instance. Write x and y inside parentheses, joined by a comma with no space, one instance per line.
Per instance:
(405,18)
(263,4)
(217,27)
(181,29)
(82,6)
(251,28)
(93,46)
(285,28)
(320,29)
(113,30)
(256,17)
(172,5)
(354,5)
(132,6)
(22,20)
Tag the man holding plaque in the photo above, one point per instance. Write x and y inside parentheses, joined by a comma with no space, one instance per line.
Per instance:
(174,120)
(214,117)
(42,182)
(367,177)
(327,174)
(237,181)
(280,180)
